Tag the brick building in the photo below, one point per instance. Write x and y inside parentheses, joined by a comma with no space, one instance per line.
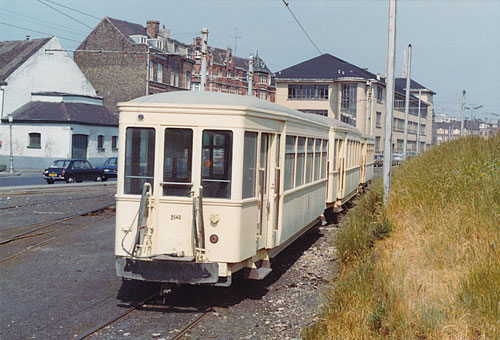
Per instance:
(228,73)
(125,60)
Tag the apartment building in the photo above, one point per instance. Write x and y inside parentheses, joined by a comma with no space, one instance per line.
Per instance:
(229,74)
(329,86)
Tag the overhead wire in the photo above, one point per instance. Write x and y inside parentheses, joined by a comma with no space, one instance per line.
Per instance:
(69,16)
(73,9)
(303,29)
(39,21)
(50,26)
(32,30)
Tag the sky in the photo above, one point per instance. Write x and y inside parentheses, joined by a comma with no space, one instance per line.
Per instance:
(455,43)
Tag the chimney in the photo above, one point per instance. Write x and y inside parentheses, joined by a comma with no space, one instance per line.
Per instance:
(164,33)
(153,26)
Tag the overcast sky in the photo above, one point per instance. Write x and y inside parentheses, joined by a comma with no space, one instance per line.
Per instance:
(456,44)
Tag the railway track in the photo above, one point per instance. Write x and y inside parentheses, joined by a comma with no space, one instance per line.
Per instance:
(139,305)
(48,202)
(40,230)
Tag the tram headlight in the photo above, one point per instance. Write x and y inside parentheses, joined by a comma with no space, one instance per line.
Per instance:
(214,238)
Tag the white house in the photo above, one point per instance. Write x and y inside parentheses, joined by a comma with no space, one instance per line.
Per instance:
(56,111)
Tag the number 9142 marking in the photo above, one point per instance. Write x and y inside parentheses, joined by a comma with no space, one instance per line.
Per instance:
(174,217)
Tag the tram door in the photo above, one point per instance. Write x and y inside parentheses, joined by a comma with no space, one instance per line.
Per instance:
(265,196)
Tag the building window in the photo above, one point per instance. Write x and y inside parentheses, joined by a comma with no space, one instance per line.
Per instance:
(100,142)
(348,103)
(172,75)
(35,140)
(159,76)
(176,78)
(380,93)
(308,92)
(378,120)
(316,112)
(377,144)
(150,70)
(114,142)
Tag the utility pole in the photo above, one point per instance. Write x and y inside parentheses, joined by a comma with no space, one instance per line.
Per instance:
(407,101)
(250,75)
(418,126)
(204,49)
(391,52)
(463,114)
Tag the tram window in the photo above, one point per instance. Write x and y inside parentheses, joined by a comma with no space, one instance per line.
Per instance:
(289,161)
(177,163)
(249,164)
(323,159)
(216,163)
(301,158)
(139,159)
(317,158)
(309,159)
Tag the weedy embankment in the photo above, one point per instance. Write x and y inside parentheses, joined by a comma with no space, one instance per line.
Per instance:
(428,266)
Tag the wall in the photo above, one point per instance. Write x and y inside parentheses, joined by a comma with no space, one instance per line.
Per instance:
(117,77)
(300,104)
(56,140)
(45,71)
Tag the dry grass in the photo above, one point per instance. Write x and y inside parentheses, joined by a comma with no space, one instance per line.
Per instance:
(438,274)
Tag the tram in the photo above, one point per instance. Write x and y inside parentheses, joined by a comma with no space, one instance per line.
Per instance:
(210,184)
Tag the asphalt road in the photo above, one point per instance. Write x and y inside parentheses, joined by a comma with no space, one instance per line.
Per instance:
(27,178)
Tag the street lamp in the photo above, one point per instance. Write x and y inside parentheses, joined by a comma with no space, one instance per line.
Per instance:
(472,110)
(11,158)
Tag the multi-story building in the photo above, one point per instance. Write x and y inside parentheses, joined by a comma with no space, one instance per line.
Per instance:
(228,73)
(332,87)
(124,60)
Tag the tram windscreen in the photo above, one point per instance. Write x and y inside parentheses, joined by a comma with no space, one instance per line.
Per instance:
(216,163)
(139,159)
(177,163)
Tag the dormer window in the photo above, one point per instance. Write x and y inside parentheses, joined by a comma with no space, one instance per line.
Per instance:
(156,43)
(139,39)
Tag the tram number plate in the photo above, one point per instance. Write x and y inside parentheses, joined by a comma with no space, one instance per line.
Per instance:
(174,217)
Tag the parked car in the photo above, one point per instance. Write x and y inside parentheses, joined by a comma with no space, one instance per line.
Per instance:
(397,158)
(109,168)
(379,160)
(72,170)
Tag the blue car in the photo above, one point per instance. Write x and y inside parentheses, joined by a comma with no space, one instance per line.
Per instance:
(109,168)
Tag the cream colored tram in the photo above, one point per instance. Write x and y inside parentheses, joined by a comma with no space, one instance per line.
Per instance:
(210,184)
(367,159)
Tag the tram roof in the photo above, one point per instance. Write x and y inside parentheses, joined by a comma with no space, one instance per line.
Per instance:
(204,98)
